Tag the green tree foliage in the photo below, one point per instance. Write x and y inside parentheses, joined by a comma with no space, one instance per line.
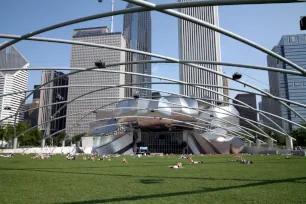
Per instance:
(30,138)
(300,136)
(281,139)
(78,137)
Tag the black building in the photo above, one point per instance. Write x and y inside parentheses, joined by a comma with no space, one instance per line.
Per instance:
(249,99)
(52,96)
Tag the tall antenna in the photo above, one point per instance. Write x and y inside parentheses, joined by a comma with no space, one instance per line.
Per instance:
(112,18)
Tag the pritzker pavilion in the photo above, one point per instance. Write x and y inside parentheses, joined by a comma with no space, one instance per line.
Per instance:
(170,122)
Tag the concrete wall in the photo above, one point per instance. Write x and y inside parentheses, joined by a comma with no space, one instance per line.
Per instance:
(262,150)
(38,150)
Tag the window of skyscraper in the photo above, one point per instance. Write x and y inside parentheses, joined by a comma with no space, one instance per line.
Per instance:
(292,38)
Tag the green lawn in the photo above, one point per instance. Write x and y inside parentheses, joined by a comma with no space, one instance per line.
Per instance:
(271,179)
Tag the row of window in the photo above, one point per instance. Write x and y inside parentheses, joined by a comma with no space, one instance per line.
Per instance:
(295,38)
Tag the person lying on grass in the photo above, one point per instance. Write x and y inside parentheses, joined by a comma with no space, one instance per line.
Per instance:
(243,161)
(183,157)
(178,165)
(7,155)
(194,162)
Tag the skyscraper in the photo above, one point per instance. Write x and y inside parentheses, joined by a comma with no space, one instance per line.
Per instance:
(226,91)
(84,57)
(292,87)
(199,43)
(12,81)
(249,99)
(31,116)
(49,96)
(137,33)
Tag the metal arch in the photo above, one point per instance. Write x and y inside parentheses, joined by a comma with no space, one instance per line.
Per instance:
(200,110)
(168,93)
(172,83)
(260,129)
(122,123)
(173,60)
(163,92)
(215,28)
(144,89)
(166,119)
(234,132)
(209,90)
(274,69)
(131,98)
(177,81)
(142,99)
(189,83)
(168,7)
(164,102)
(230,64)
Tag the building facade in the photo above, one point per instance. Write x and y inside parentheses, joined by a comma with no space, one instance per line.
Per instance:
(260,117)
(137,33)
(249,99)
(31,116)
(199,43)
(84,57)
(50,96)
(292,87)
(226,91)
(12,81)
(32,110)
(36,94)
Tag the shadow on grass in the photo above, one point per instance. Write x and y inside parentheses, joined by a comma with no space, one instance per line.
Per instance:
(130,175)
(151,181)
(182,193)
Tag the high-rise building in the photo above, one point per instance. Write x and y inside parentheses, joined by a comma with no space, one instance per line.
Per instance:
(84,57)
(49,96)
(36,94)
(199,43)
(292,87)
(12,81)
(249,99)
(226,91)
(31,114)
(260,117)
(137,33)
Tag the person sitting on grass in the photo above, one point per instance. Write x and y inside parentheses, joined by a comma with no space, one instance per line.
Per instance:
(243,161)
(194,162)
(92,158)
(178,165)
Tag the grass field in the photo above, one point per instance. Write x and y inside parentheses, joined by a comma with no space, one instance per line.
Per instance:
(271,179)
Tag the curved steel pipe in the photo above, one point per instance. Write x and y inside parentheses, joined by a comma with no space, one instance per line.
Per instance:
(217,29)
(177,81)
(249,121)
(161,8)
(162,92)
(173,60)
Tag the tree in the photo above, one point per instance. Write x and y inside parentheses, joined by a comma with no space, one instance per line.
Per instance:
(300,136)
(275,135)
(78,137)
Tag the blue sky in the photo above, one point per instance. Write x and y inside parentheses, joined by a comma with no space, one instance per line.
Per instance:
(263,24)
